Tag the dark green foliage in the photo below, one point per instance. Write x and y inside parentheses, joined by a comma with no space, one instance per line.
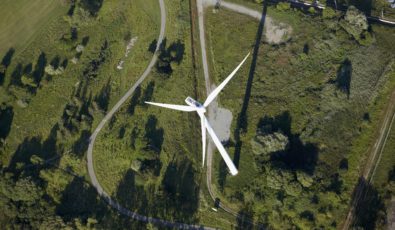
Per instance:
(93,6)
(370,208)
(181,190)
(79,200)
(23,204)
(298,155)
(91,70)
(44,149)
(77,112)
(173,53)
(176,199)
(245,218)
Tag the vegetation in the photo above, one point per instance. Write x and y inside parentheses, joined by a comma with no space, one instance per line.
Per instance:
(49,106)
(23,20)
(310,107)
(314,90)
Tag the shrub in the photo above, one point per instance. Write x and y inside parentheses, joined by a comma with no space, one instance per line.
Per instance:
(356,24)
(311,10)
(265,144)
(283,6)
(328,13)
(79,48)
(49,69)
(28,81)
(304,179)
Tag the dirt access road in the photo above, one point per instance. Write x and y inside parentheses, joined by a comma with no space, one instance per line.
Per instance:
(374,157)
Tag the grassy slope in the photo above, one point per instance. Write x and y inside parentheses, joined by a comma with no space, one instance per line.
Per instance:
(46,107)
(21,20)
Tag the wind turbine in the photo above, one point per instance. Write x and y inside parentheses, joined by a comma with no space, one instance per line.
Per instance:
(193,105)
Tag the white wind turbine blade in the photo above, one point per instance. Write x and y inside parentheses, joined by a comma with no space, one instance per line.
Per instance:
(175,107)
(204,139)
(221,149)
(216,91)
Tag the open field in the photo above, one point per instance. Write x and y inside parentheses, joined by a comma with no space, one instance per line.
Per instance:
(294,91)
(22,20)
(50,115)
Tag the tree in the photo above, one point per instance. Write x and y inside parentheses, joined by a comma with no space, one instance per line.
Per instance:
(304,179)
(266,144)
(356,24)
(328,13)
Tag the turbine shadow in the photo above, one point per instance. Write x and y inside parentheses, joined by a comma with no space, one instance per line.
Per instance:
(242,122)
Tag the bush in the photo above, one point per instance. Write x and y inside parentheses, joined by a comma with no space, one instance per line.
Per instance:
(28,81)
(328,13)
(79,48)
(311,10)
(136,165)
(49,69)
(283,6)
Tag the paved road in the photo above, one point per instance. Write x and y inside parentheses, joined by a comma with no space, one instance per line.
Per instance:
(108,116)
(235,7)
(213,108)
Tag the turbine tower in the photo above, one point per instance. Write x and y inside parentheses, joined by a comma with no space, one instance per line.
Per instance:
(193,105)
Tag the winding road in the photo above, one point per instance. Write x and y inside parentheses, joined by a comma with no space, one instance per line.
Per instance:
(211,112)
(92,175)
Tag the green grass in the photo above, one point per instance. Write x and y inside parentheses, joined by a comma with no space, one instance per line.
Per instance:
(46,106)
(288,80)
(113,155)
(387,161)
(22,20)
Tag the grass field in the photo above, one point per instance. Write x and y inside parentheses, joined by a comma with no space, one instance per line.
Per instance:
(291,92)
(22,20)
(55,115)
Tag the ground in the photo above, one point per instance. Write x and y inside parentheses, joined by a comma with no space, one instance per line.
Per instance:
(310,89)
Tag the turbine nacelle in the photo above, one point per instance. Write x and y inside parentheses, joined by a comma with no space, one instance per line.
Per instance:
(192,102)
